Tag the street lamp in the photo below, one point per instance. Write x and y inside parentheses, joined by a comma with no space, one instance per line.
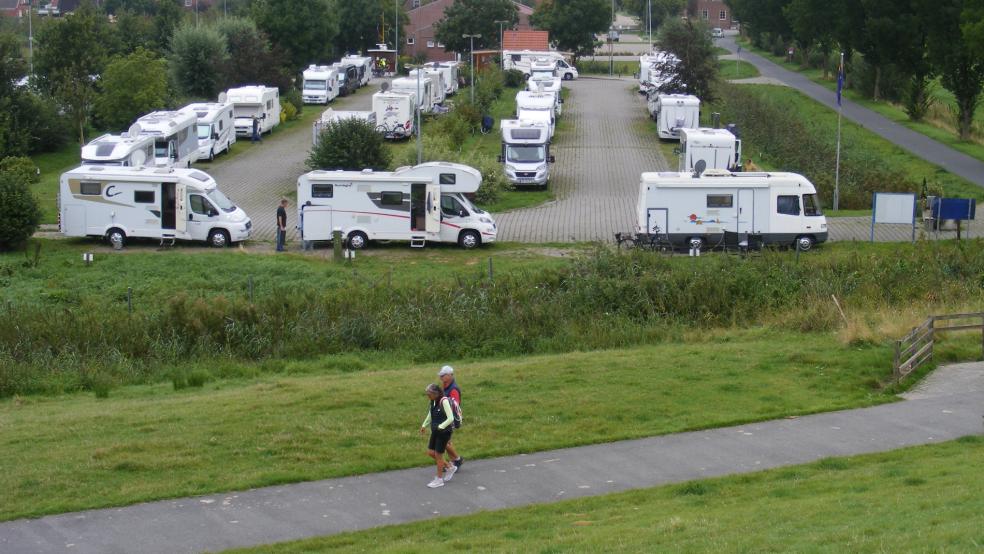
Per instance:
(502,61)
(472,37)
(396,41)
(30,36)
(420,145)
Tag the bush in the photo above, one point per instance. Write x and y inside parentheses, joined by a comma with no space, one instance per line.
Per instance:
(514,78)
(20,213)
(287,111)
(294,97)
(130,87)
(349,144)
(23,167)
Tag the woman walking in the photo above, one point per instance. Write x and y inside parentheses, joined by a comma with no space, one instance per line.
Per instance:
(440,420)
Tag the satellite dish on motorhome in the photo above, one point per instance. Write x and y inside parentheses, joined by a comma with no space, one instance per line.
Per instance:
(134,130)
(385,86)
(223,97)
(138,158)
(699,168)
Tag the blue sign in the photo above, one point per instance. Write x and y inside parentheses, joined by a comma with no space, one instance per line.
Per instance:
(960,209)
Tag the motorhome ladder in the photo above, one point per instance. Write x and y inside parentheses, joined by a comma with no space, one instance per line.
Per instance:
(417,241)
(167,240)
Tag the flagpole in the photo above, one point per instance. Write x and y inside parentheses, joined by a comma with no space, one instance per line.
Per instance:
(840,110)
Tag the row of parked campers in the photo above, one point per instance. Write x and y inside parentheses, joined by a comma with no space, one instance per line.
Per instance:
(394,106)
(197,131)
(324,83)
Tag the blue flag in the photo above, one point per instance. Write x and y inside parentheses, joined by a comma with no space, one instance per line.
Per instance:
(840,81)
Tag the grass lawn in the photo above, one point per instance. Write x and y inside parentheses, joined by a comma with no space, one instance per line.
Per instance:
(601,66)
(52,165)
(731,69)
(149,442)
(922,499)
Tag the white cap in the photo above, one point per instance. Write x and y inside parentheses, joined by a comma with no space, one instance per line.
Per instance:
(446,370)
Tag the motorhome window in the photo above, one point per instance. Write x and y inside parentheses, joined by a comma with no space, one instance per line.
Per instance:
(204,131)
(448,178)
(183,135)
(811,205)
(524,134)
(321,190)
(249,110)
(161,148)
(269,104)
(525,154)
(788,205)
(315,84)
(391,199)
(143,197)
(720,201)
(451,207)
(198,204)
(91,189)
(221,200)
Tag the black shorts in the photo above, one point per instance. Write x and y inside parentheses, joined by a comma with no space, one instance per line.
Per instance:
(439,440)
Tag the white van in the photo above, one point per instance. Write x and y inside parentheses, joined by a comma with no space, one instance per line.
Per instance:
(331,115)
(525,153)
(521,60)
(255,101)
(320,84)
(128,150)
(437,87)
(717,148)
(395,113)
(537,107)
(216,128)
(417,204)
(363,65)
(653,70)
(175,137)
(168,204)
(450,72)
(673,112)
(423,92)
(703,211)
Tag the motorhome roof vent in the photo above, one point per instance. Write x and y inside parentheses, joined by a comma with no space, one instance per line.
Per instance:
(104,149)
(203,177)
(97,168)
(699,168)
(164,170)
(201,114)
(367,171)
(717,172)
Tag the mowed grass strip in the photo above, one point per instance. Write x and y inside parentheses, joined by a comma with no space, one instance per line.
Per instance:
(150,442)
(731,69)
(922,499)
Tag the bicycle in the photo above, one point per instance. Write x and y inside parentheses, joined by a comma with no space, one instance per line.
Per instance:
(656,241)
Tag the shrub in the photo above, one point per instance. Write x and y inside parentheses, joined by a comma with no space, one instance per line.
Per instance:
(294,97)
(20,213)
(349,144)
(131,86)
(23,167)
(514,78)
(287,111)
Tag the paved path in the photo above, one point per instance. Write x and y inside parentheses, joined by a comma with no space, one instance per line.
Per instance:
(941,412)
(918,144)
(607,143)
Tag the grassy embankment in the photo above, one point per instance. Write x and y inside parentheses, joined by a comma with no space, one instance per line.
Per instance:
(940,124)
(922,499)
(731,70)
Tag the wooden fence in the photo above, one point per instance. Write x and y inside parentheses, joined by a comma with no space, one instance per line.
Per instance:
(916,348)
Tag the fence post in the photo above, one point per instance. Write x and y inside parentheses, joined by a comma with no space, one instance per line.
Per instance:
(982,336)
(932,337)
(896,370)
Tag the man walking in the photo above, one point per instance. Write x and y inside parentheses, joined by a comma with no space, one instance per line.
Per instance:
(451,390)
(281,225)
(256,130)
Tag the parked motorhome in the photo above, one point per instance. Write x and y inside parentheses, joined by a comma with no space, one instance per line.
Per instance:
(348,77)
(449,70)
(320,84)
(420,204)
(703,211)
(437,87)
(423,90)
(543,67)
(537,107)
(521,60)
(525,152)
(216,128)
(394,113)
(673,112)
(331,115)
(129,150)
(168,204)
(256,101)
(654,71)
(363,66)
(717,148)
(175,137)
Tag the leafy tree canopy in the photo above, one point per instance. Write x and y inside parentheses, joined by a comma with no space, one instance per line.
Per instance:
(132,85)
(573,24)
(198,56)
(695,69)
(475,17)
(305,29)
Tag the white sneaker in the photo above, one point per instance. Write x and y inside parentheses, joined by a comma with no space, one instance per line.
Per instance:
(449,473)
(437,482)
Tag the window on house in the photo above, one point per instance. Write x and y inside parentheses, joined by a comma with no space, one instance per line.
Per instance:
(723,15)
(410,40)
(321,190)
(720,201)
(430,44)
(788,205)
(143,196)
(391,199)
(703,15)
(91,189)
(440,45)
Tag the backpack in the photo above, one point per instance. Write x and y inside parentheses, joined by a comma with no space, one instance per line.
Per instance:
(455,411)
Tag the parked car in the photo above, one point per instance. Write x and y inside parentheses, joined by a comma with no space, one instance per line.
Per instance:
(717,32)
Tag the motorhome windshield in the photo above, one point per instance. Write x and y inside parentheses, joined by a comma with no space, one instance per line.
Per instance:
(161,148)
(204,131)
(315,84)
(220,200)
(468,204)
(247,110)
(526,154)
(811,205)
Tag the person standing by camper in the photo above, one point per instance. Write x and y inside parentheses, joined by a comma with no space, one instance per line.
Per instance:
(281,225)
(451,390)
(256,130)
(440,419)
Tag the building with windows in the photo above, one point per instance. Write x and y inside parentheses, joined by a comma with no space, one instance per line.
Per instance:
(714,13)
(418,38)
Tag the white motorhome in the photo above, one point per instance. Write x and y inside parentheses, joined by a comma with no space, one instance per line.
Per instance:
(331,115)
(320,84)
(704,211)
(216,128)
(653,70)
(438,87)
(394,113)
(422,90)
(420,204)
(717,148)
(673,112)
(128,150)
(255,101)
(168,204)
(175,137)
(543,67)
(545,83)
(449,70)
(363,65)
(521,60)
(525,153)
(537,107)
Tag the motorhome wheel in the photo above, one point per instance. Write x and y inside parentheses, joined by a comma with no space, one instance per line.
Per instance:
(116,237)
(469,240)
(568,76)
(218,238)
(697,243)
(804,243)
(358,240)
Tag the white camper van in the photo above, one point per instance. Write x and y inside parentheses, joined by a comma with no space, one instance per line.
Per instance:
(717,148)
(424,93)
(673,112)
(653,71)
(521,60)
(320,84)
(129,150)
(417,204)
(175,137)
(363,65)
(160,203)
(449,70)
(437,87)
(330,115)
(703,211)
(256,101)
(394,113)
(216,128)
(525,153)
(537,107)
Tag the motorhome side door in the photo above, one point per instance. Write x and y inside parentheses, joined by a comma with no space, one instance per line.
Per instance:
(746,211)
(656,221)
(180,208)
(433,206)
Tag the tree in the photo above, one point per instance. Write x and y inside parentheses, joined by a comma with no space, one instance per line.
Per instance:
(363,24)
(351,144)
(131,86)
(960,68)
(135,31)
(251,58)
(762,17)
(475,17)
(305,29)
(573,24)
(661,11)
(695,67)
(973,25)
(198,55)
(803,16)
(167,16)
(20,213)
